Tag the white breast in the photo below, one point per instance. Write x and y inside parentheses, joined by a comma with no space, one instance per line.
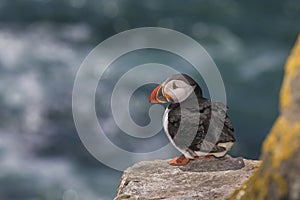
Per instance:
(165,125)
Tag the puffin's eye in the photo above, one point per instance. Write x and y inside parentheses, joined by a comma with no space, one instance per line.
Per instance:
(174,86)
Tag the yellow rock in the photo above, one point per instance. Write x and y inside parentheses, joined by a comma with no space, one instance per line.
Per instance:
(291,70)
(278,177)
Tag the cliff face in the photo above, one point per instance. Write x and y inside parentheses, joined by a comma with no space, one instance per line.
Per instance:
(279,175)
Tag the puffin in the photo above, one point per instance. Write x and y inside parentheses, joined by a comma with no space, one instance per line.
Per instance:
(196,126)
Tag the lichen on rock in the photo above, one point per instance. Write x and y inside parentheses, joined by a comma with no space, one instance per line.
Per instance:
(279,175)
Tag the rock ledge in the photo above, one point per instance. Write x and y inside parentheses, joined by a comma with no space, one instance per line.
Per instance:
(201,179)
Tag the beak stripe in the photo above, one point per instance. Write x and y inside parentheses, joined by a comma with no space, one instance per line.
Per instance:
(166,95)
(153,95)
(157,95)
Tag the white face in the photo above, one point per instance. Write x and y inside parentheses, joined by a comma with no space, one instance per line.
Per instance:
(178,90)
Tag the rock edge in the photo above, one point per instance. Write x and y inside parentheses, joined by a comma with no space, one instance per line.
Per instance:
(201,179)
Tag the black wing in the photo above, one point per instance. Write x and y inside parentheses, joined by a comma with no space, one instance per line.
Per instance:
(188,126)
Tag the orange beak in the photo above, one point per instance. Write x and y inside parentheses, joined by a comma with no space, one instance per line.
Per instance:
(156,95)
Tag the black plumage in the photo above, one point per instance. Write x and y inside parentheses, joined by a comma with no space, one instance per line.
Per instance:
(200,117)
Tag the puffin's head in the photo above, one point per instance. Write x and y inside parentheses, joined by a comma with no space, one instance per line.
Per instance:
(175,89)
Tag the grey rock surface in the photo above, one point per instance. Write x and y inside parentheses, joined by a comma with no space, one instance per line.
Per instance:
(200,179)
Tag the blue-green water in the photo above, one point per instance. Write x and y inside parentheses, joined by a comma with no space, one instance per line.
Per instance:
(43,42)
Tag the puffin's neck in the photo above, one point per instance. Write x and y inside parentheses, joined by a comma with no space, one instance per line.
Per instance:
(190,101)
(197,92)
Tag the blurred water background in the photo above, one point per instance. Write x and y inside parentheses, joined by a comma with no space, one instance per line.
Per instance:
(43,42)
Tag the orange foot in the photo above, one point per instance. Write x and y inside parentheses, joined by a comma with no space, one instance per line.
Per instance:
(179,161)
